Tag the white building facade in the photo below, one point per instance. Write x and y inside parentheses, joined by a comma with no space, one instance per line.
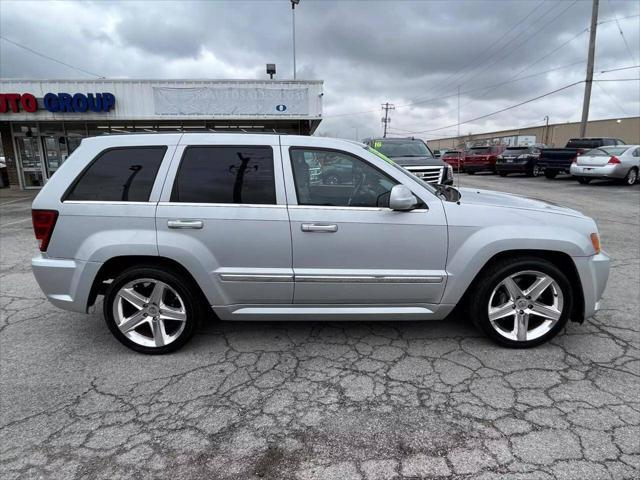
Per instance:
(43,121)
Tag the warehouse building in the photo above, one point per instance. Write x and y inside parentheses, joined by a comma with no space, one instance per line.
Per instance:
(553,135)
(43,121)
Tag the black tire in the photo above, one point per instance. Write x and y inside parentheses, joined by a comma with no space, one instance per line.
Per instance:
(584,180)
(189,295)
(491,277)
(502,174)
(550,174)
(631,177)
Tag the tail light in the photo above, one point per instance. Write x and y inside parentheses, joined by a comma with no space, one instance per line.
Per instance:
(614,160)
(43,223)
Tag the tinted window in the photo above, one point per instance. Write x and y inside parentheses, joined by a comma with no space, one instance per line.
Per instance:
(479,150)
(225,174)
(328,177)
(119,174)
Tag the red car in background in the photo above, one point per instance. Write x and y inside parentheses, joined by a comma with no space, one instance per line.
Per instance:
(455,158)
(482,159)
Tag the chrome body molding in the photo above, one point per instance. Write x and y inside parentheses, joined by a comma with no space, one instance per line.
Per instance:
(368,279)
(241,277)
(283,277)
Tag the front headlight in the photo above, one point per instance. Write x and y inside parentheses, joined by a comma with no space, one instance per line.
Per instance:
(523,157)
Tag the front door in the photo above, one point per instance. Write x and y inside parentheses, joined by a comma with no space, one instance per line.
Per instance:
(223,214)
(348,246)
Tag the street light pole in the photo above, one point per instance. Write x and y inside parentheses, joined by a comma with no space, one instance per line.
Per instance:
(293,21)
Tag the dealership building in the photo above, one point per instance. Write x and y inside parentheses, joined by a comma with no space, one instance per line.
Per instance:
(552,135)
(43,121)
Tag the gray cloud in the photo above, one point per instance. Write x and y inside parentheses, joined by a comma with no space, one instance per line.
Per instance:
(368,52)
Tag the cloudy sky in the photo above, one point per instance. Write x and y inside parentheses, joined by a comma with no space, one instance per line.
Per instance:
(413,54)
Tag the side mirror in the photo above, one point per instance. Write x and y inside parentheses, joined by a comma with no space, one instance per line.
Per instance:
(402,199)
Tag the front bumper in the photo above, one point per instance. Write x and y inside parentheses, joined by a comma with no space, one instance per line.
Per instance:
(66,283)
(594,273)
(606,171)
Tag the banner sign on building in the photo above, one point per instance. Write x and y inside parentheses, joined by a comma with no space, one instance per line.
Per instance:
(230,101)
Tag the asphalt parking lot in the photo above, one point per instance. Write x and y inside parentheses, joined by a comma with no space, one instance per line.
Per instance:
(326,400)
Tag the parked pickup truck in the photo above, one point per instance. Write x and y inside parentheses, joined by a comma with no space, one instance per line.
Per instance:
(558,160)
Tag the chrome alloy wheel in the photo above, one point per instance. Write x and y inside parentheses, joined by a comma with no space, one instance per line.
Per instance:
(632,176)
(149,312)
(525,305)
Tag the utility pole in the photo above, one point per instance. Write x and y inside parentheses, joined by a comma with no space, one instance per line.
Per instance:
(293,21)
(386,120)
(589,80)
(546,129)
(458,113)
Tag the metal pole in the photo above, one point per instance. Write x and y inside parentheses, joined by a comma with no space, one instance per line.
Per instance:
(589,80)
(293,17)
(546,129)
(458,112)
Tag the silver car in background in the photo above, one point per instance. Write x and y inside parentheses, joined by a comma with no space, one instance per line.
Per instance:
(171,229)
(614,162)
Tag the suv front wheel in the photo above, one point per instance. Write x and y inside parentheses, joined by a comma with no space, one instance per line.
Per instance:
(522,302)
(151,310)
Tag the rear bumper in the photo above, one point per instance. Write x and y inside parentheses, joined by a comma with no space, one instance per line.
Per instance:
(513,167)
(594,273)
(606,171)
(554,166)
(65,283)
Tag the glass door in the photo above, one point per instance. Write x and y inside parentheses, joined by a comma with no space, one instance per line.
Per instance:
(55,152)
(31,161)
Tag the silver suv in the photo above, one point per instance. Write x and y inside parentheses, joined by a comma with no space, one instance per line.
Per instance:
(169,228)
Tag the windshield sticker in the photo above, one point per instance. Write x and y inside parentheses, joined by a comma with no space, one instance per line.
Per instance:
(381,155)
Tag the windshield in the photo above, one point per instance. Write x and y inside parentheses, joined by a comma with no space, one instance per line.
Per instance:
(584,143)
(606,151)
(516,151)
(396,148)
(381,155)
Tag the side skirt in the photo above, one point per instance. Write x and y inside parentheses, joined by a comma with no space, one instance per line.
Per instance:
(275,312)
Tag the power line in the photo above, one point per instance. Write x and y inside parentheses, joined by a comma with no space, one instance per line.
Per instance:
(35,52)
(434,99)
(504,109)
(446,81)
(615,16)
(618,69)
(613,99)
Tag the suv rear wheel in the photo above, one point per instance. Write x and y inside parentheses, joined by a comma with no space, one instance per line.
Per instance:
(521,302)
(151,310)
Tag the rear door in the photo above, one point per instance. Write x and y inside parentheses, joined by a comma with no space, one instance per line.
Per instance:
(348,246)
(223,215)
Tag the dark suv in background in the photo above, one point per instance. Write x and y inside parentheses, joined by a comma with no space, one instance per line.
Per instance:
(414,155)
(520,160)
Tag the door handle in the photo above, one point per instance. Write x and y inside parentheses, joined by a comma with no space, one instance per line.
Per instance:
(319,227)
(185,224)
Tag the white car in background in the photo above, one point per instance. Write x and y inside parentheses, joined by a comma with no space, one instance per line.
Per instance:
(620,162)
